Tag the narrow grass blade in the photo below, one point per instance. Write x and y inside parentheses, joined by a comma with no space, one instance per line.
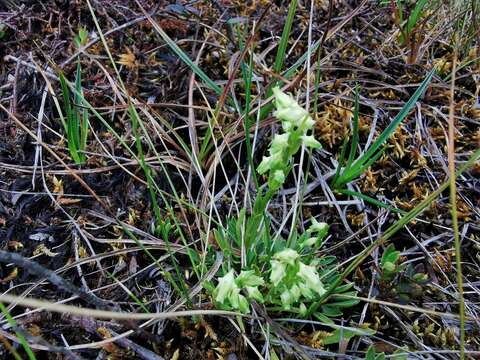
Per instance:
(398,119)
(282,47)
(247,73)
(13,324)
(353,146)
(77,106)
(453,204)
(374,152)
(341,160)
(415,16)
(181,54)
(280,56)
(70,121)
(371,200)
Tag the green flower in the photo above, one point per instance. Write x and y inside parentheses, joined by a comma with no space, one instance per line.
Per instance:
(282,100)
(227,293)
(279,142)
(254,293)
(310,276)
(248,278)
(278,272)
(287,256)
(302,310)
(318,227)
(226,285)
(310,141)
(279,177)
(296,122)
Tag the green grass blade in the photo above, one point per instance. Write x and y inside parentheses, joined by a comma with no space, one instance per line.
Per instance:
(361,168)
(184,57)
(70,122)
(394,124)
(338,173)
(77,105)
(354,144)
(20,336)
(415,16)
(371,200)
(282,47)
(247,73)
(280,56)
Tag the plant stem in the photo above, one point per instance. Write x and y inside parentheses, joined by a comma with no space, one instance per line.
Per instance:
(453,202)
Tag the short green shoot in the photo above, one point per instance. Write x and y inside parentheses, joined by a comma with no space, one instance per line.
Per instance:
(397,279)
(76,123)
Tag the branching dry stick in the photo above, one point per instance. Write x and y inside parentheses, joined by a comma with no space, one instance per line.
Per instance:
(36,269)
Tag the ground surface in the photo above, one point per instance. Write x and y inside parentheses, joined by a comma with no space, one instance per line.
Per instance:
(66,217)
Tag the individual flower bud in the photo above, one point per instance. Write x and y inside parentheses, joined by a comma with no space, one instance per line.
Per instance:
(279,177)
(310,141)
(306,291)
(320,228)
(226,285)
(287,299)
(282,100)
(248,278)
(279,142)
(308,123)
(420,277)
(295,292)
(310,241)
(278,272)
(254,293)
(264,165)
(310,276)
(294,115)
(238,301)
(389,266)
(302,310)
(287,256)
(243,304)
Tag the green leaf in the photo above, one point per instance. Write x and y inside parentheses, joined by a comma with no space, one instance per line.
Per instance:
(344,334)
(184,57)
(331,311)
(370,355)
(21,338)
(415,16)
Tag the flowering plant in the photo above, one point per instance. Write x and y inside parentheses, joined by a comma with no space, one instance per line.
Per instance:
(291,281)
(296,122)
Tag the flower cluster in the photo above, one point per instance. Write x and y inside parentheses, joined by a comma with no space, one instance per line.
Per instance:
(296,122)
(227,293)
(293,280)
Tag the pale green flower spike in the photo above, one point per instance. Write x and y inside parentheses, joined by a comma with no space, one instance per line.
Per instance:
(292,279)
(296,122)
